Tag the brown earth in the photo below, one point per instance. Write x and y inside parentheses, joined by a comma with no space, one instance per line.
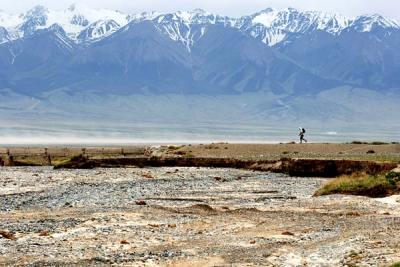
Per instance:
(385,152)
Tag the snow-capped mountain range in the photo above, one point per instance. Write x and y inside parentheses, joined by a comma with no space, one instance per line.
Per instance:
(287,51)
(84,66)
(83,24)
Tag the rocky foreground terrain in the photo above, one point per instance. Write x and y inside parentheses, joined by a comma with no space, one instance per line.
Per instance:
(188,217)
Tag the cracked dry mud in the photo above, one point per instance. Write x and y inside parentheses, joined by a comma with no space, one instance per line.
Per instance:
(192,217)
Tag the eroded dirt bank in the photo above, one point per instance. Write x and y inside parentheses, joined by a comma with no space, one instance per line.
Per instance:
(292,167)
(318,160)
(179,216)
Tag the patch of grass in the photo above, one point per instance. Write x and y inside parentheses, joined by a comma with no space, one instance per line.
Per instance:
(379,143)
(359,143)
(361,185)
(29,160)
(395,264)
(393,178)
(63,160)
(376,143)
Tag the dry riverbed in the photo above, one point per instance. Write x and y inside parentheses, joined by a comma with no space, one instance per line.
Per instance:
(188,217)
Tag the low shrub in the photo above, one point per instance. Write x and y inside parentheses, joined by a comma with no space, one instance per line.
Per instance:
(393,178)
(358,143)
(378,143)
(362,185)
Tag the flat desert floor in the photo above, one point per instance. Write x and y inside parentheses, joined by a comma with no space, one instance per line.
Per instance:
(188,217)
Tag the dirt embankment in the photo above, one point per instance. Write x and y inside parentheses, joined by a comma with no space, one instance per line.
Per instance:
(315,160)
(293,167)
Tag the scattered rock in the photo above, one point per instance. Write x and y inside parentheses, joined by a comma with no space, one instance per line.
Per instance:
(148,175)
(288,233)
(8,235)
(67,204)
(140,202)
(44,233)
(353,213)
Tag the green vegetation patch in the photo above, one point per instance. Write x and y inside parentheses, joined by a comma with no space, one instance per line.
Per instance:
(375,143)
(363,185)
(30,160)
(60,162)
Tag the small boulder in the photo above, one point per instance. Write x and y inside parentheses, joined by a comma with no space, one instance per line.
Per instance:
(141,203)
(8,235)
(288,233)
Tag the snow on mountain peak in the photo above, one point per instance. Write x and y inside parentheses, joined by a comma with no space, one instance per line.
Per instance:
(266,17)
(292,20)
(144,16)
(75,19)
(4,37)
(367,23)
(98,30)
(272,26)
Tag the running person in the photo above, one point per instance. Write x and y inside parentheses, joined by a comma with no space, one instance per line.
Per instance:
(301,134)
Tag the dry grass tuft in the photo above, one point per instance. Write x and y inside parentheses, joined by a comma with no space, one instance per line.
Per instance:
(361,185)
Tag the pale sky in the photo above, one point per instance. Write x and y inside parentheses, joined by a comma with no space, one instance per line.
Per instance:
(389,8)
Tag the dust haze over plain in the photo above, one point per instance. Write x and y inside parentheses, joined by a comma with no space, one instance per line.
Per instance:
(350,8)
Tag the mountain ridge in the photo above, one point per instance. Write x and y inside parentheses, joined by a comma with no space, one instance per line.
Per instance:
(269,25)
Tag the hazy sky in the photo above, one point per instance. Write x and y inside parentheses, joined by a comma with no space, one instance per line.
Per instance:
(388,8)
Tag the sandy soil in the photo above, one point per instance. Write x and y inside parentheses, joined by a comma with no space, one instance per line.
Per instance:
(385,152)
(192,216)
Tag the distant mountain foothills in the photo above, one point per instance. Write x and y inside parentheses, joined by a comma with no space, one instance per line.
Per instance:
(297,61)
